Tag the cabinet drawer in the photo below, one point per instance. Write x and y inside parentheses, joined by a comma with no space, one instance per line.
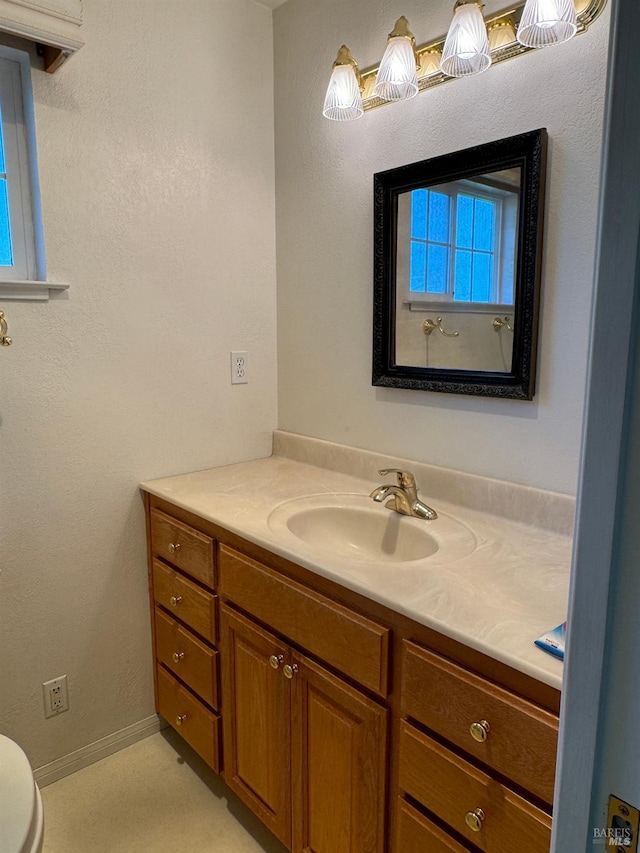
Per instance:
(344,639)
(521,740)
(417,834)
(199,726)
(188,549)
(185,600)
(453,789)
(187,657)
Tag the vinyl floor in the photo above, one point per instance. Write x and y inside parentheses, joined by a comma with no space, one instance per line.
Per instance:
(156,796)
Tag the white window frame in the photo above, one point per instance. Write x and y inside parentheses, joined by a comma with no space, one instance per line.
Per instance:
(454,191)
(424,300)
(27,277)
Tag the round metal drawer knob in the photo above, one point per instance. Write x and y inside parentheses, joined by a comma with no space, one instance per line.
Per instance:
(276,660)
(175,600)
(174,548)
(177,656)
(474,820)
(180,719)
(290,670)
(480,731)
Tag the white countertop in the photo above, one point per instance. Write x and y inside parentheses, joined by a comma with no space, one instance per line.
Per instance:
(497,599)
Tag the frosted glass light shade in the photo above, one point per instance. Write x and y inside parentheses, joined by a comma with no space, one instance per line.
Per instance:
(466,49)
(397,78)
(343,101)
(547,22)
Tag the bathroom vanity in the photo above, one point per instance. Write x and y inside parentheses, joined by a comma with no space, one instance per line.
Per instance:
(355,703)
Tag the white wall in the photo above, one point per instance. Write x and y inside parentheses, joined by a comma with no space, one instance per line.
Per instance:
(325,224)
(157,181)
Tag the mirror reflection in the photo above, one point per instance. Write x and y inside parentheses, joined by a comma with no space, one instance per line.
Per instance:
(457,266)
(456,272)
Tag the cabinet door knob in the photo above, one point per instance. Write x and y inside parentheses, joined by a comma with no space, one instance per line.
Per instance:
(177,656)
(180,719)
(276,661)
(174,548)
(480,731)
(175,600)
(474,820)
(290,670)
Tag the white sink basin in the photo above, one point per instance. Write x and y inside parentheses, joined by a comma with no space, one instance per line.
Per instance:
(354,526)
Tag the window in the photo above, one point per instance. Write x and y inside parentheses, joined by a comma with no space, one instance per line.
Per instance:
(21,245)
(459,235)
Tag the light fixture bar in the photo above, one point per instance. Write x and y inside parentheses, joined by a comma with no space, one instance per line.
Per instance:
(588,11)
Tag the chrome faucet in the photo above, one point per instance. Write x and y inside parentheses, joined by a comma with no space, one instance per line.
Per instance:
(404,496)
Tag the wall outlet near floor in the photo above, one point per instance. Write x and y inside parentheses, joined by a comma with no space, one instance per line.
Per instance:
(56,696)
(623,822)
(239,368)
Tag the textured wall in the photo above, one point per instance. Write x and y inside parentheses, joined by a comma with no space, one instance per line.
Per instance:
(477,346)
(158,193)
(325,222)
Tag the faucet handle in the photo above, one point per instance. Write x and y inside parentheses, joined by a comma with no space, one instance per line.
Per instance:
(405,478)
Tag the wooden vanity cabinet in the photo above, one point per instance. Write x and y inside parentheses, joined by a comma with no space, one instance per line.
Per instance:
(339,764)
(511,735)
(476,756)
(184,626)
(346,726)
(474,804)
(306,750)
(346,640)
(257,721)
(417,834)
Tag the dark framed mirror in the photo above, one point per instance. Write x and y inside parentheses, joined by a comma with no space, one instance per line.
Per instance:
(457,258)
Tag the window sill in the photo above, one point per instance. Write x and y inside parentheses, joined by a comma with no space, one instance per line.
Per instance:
(449,306)
(31,291)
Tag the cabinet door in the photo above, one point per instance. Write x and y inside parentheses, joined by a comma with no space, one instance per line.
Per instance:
(339,748)
(257,721)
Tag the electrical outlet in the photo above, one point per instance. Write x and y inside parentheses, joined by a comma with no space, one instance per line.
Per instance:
(623,822)
(239,368)
(56,696)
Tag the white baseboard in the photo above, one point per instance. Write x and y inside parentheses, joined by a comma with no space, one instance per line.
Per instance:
(87,755)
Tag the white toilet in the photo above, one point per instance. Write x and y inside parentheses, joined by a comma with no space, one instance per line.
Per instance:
(21,814)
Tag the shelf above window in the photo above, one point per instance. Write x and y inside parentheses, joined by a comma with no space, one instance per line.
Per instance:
(30,291)
(52,24)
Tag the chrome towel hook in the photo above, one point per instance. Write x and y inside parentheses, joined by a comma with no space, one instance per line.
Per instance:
(5,340)
(428,326)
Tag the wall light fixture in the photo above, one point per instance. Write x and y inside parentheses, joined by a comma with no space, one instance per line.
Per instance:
(397,78)
(343,101)
(547,22)
(466,49)
(472,45)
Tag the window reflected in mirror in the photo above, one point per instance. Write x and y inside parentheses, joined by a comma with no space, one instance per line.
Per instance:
(457,252)
(457,249)
(457,241)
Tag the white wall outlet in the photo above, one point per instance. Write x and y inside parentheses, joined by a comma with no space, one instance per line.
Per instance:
(56,696)
(239,368)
